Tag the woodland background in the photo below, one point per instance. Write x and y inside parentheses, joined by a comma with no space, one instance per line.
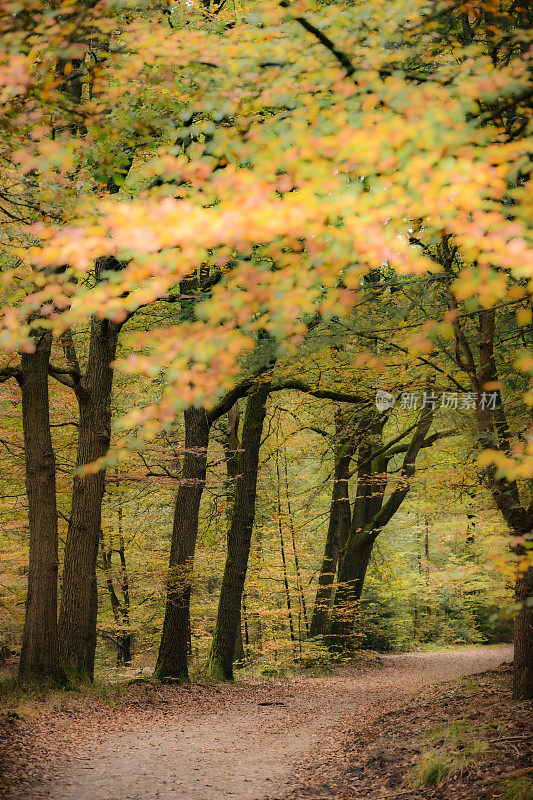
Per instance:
(438,574)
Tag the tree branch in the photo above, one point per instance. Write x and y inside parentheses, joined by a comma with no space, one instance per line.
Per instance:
(10,372)
(326,394)
(324,40)
(389,509)
(428,441)
(344,59)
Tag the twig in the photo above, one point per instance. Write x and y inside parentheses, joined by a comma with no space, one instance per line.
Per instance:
(509,738)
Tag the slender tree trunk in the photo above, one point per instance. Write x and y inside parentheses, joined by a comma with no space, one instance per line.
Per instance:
(255,624)
(106,553)
(173,648)
(79,602)
(232,445)
(286,584)
(426,553)
(125,654)
(39,655)
(244,618)
(220,662)
(299,582)
(282,548)
(418,540)
(121,610)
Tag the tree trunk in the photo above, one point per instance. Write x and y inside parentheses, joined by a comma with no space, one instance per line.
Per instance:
(299,583)
(239,654)
(244,620)
(370,516)
(338,530)
(356,552)
(282,548)
(520,522)
(352,574)
(121,611)
(124,650)
(79,602)
(220,662)
(39,655)
(494,433)
(125,654)
(254,624)
(231,452)
(286,583)
(523,639)
(173,648)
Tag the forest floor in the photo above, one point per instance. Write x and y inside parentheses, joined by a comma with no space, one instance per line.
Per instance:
(354,733)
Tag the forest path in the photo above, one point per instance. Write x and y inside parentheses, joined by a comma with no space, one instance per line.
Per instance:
(221,743)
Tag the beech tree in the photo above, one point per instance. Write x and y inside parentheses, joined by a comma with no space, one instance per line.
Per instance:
(39,654)
(478,360)
(371,513)
(340,514)
(220,662)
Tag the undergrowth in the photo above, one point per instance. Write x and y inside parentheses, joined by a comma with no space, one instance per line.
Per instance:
(518,789)
(28,698)
(453,749)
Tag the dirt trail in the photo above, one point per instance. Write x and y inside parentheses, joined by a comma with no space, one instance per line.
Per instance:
(228,746)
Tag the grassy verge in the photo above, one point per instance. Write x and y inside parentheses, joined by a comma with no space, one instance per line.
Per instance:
(447,753)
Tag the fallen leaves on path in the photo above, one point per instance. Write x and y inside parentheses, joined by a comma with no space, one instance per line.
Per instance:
(376,762)
(211,742)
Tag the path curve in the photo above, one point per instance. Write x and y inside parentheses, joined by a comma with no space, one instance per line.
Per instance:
(246,744)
